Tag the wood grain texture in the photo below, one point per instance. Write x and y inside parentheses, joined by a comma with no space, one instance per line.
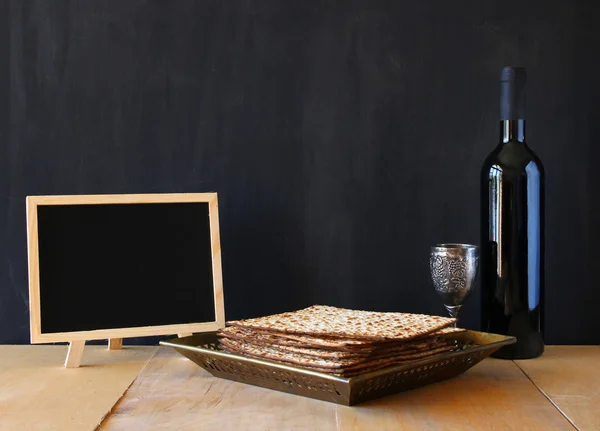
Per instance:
(174,393)
(33,273)
(74,354)
(143,331)
(129,198)
(37,393)
(115,343)
(215,241)
(570,377)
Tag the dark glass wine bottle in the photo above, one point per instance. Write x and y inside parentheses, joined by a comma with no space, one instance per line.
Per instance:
(512,230)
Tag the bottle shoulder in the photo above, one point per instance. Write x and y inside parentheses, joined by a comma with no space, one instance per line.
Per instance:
(513,156)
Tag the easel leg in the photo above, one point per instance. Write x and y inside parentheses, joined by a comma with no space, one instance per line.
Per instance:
(184,334)
(115,343)
(74,354)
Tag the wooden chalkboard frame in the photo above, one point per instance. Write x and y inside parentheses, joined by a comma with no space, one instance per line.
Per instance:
(78,338)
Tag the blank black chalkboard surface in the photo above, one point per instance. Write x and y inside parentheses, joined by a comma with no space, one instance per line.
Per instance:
(118,266)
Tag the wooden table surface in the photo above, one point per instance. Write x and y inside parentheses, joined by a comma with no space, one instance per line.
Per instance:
(150,388)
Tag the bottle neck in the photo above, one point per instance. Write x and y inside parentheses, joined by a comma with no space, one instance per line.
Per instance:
(512,130)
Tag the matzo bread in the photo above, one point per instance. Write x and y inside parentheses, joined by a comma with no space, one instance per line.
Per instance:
(350,370)
(340,322)
(350,343)
(324,343)
(284,354)
(449,330)
(333,355)
(333,343)
(267,340)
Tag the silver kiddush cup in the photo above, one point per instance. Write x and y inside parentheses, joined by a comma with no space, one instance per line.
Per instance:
(453,270)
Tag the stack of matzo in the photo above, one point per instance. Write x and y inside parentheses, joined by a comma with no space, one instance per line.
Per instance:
(339,341)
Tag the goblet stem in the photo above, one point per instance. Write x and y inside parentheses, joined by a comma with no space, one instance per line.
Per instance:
(453,311)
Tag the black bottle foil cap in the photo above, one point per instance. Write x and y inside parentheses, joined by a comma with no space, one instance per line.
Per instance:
(512,93)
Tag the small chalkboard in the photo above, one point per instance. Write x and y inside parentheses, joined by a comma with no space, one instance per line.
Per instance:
(119,266)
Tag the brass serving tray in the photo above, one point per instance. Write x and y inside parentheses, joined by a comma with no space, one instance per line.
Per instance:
(203,349)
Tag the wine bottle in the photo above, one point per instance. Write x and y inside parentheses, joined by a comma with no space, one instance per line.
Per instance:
(512,230)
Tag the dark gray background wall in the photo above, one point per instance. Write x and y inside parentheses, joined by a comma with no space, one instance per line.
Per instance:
(344,137)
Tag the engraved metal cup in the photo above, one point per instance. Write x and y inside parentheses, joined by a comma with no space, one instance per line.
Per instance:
(453,270)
